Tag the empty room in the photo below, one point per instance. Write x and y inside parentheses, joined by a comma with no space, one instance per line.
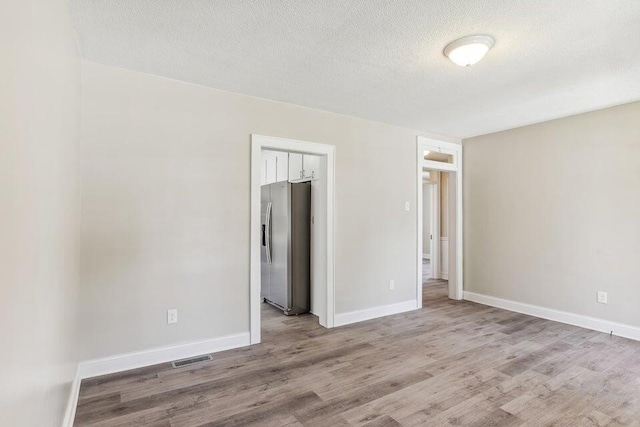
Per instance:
(319,213)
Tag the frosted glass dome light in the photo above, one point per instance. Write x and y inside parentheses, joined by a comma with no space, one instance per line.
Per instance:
(468,50)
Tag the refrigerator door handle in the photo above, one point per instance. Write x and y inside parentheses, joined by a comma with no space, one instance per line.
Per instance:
(268,233)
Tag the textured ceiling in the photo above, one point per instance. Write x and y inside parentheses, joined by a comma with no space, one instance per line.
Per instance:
(382,60)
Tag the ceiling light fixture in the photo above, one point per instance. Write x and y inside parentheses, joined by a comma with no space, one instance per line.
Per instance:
(468,50)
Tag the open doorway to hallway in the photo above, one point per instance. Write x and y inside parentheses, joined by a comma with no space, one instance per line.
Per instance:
(435,227)
(428,193)
(439,237)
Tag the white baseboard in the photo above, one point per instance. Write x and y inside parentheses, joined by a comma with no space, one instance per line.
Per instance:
(373,313)
(426,256)
(444,276)
(70,412)
(588,322)
(139,359)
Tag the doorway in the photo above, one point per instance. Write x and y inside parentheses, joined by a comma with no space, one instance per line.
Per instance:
(430,225)
(322,250)
(442,161)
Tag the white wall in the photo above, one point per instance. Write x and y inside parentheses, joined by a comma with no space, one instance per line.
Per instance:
(165,204)
(552,214)
(39,210)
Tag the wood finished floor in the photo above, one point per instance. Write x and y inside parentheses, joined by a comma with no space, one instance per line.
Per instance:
(426,270)
(449,364)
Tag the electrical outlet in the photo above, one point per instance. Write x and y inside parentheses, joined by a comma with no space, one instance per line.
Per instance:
(407,206)
(172,316)
(602,297)
(392,284)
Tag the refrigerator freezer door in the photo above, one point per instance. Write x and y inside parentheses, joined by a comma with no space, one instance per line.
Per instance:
(279,244)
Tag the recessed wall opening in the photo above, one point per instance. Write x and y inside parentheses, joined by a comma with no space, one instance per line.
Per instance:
(292,231)
(290,202)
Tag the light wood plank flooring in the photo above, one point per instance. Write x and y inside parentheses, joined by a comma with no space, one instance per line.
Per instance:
(426,270)
(449,364)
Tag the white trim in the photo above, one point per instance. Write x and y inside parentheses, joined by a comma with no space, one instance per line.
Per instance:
(258,143)
(588,322)
(443,248)
(426,256)
(72,404)
(459,230)
(441,166)
(374,312)
(139,359)
(435,227)
(445,146)
(420,215)
(456,284)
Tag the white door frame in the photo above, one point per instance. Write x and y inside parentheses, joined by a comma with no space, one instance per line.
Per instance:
(259,143)
(435,227)
(455,150)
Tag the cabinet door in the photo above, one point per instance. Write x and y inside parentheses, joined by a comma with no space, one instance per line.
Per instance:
(269,158)
(282,166)
(295,167)
(311,165)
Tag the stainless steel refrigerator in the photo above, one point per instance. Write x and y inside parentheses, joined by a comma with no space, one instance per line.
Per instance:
(286,240)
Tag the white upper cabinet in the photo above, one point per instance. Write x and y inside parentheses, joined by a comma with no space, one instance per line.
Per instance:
(295,167)
(310,167)
(282,166)
(270,158)
(278,166)
(275,167)
(303,167)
